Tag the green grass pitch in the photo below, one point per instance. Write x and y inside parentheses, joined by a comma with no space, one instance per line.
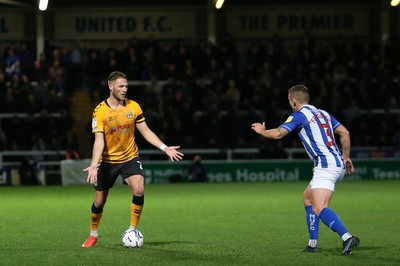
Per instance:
(198,224)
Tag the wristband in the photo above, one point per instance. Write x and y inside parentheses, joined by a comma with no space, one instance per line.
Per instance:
(162,147)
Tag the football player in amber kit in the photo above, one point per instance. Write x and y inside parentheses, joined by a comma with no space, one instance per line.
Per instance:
(115,151)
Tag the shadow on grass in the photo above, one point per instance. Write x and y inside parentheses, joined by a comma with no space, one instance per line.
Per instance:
(164,243)
(170,252)
(147,244)
(338,250)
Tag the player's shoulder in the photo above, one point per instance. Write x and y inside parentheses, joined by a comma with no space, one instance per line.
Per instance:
(316,109)
(100,107)
(296,117)
(298,114)
(133,105)
(102,104)
(130,102)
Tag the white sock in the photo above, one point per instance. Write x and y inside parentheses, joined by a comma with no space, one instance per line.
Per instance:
(346,236)
(94,233)
(313,242)
(131,227)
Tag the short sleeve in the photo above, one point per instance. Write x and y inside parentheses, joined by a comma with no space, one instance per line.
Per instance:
(293,122)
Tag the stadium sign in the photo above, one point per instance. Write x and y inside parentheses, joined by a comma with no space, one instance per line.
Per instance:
(296,21)
(11,26)
(123,24)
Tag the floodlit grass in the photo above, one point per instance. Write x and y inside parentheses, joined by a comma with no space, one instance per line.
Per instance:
(198,224)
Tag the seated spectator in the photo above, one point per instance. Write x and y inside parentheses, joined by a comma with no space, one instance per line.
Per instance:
(72,154)
(28,172)
(197,171)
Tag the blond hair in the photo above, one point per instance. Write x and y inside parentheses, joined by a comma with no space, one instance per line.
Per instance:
(299,93)
(116,75)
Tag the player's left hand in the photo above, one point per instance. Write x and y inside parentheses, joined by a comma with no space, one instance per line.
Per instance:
(173,154)
(349,166)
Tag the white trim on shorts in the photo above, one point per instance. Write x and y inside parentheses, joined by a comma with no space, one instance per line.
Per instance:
(326,177)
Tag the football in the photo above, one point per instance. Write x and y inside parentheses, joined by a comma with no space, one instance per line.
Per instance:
(132,238)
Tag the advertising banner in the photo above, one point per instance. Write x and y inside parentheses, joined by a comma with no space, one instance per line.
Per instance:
(240,171)
(267,171)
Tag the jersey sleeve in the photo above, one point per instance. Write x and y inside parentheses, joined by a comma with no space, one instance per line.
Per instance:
(97,120)
(293,122)
(335,122)
(138,110)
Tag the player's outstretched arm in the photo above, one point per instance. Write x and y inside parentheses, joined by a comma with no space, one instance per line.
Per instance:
(152,138)
(274,133)
(98,147)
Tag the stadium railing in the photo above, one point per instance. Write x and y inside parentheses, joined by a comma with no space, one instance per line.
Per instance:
(356,152)
(49,162)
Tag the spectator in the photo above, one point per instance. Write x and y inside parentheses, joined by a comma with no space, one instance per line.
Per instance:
(197,171)
(38,71)
(3,140)
(56,77)
(94,73)
(76,72)
(72,154)
(28,172)
(26,58)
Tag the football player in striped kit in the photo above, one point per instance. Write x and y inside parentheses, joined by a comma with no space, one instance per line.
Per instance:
(316,129)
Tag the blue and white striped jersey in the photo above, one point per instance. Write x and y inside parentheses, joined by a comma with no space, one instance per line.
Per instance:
(315,127)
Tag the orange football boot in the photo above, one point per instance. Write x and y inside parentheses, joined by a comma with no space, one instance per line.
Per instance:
(90,242)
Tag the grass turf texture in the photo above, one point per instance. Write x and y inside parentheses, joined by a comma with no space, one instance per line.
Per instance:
(198,224)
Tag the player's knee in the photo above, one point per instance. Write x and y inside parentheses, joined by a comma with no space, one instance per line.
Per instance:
(99,202)
(307,200)
(137,190)
(317,209)
(97,207)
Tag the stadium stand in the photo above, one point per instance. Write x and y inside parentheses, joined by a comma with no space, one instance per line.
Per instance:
(198,94)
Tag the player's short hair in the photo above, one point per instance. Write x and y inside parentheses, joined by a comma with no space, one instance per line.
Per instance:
(116,75)
(300,93)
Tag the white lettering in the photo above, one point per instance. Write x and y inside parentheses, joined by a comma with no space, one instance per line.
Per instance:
(243,175)
(312,221)
(385,174)
(220,177)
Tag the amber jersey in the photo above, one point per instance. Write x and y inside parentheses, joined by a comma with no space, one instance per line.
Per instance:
(118,127)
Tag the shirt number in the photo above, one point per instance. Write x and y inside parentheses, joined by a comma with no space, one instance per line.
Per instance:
(140,165)
(328,134)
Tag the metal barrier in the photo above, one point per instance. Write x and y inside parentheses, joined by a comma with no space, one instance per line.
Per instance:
(356,152)
(50,168)
(46,167)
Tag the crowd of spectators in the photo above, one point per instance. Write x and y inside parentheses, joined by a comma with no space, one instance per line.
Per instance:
(210,93)
(34,107)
